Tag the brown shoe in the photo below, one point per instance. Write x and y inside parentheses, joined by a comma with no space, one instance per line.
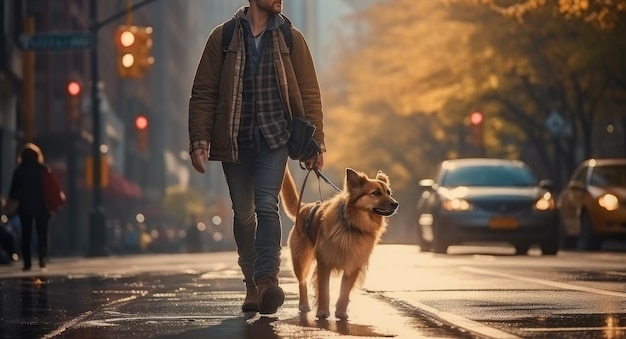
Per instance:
(270,295)
(251,304)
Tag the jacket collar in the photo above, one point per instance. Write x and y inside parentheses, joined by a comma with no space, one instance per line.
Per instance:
(273,22)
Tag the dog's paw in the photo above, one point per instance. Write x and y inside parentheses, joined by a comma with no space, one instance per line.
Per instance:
(304,308)
(341,315)
(322,314)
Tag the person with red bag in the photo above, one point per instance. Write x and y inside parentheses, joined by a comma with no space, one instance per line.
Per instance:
(32,181)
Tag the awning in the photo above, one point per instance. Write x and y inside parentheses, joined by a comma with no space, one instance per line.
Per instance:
(118,187)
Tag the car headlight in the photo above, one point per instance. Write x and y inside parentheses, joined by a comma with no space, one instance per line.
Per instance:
(456,204)
(545,203)
(609,202)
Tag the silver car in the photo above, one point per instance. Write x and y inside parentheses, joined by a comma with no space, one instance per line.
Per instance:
(487,200)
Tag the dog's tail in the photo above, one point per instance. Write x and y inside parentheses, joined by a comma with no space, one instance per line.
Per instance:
(289,196)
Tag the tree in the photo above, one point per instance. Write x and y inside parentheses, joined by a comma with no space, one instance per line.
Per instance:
(390,101)
(556,65)
(402,88)
(602,14)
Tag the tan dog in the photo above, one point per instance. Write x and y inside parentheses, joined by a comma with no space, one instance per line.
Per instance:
(339,234)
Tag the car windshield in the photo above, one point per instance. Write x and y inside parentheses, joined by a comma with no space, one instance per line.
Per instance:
(490,176)
(603,176)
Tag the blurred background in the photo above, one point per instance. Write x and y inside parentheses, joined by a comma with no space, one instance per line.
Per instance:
(406,84)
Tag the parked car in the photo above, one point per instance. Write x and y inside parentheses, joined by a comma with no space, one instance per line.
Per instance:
(593,205)
(487,200)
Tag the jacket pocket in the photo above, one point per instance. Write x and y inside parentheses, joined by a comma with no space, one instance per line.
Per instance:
(219,134)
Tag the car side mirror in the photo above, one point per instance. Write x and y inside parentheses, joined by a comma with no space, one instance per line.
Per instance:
(576,185)
(427,184)
(547,184)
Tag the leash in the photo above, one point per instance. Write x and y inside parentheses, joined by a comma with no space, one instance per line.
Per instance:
(319,175)
(302,193)
(313,210)
(330,183)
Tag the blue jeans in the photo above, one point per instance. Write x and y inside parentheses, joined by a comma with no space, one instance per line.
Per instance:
(254,184)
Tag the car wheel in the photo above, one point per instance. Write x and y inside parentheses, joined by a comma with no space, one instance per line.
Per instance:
(550,245)
(568,242)
(423,244)
(440,242)
(587,241)
(439,246)
(521,248)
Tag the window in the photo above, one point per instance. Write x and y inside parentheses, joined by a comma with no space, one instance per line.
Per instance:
(489,176)
(603,176)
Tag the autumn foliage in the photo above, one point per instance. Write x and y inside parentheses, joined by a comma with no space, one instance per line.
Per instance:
(406,79)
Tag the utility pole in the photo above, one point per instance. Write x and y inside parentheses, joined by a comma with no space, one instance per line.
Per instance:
(97,218)
(28,84)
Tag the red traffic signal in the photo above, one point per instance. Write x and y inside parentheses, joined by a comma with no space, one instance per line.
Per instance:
(73,88)
(141,122)
(141,134)
(476,118)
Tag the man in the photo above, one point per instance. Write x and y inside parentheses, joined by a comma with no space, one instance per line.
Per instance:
(242,100)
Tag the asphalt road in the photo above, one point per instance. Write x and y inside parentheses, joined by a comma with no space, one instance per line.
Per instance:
(178,296)
(473,292)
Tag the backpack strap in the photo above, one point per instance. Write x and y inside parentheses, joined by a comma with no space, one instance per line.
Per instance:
(229,30)
(227,34)
(285,28)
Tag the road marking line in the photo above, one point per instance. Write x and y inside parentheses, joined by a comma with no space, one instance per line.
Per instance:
(564,286)
(572,329)
(73,322)
(67,325)
(465,323)
(621,274)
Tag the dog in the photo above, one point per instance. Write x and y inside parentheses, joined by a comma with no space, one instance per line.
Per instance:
(339,234)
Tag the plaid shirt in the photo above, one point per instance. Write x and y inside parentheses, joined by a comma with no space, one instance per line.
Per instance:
(263,113)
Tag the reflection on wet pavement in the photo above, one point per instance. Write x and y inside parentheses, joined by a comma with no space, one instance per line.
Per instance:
(148,305)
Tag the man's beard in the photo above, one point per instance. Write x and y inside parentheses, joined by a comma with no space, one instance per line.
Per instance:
(272,8)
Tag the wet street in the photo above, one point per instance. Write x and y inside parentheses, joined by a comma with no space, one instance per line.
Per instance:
(473,292)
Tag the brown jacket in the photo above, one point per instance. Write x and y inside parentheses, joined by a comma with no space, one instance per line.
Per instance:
(216,95)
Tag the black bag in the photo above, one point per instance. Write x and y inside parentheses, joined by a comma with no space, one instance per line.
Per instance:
(301,145)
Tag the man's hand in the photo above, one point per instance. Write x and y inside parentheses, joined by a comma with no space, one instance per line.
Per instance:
(313,164)
(199,157)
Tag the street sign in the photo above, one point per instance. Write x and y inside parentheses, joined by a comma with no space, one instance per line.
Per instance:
(57,41)
(555,123)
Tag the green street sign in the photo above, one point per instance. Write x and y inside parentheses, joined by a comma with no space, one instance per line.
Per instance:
(57,41)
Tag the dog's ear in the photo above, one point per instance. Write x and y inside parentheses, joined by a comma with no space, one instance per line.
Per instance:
(382,177)
(354,178)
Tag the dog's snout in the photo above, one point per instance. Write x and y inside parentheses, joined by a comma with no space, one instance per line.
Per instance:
(395,205)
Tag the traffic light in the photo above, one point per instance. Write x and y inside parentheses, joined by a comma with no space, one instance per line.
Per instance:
(141,135)
(476,120)
(74,91)
(134,50)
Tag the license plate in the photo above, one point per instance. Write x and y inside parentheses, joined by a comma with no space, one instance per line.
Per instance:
(503,223)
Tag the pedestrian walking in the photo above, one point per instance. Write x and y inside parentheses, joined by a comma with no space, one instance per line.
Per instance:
(29,187)
(255,75)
